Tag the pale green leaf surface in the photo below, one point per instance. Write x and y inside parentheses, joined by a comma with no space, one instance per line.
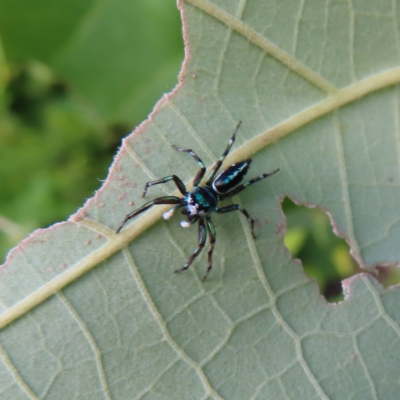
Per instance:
(318,84)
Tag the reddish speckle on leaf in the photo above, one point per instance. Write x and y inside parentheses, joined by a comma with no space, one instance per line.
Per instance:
(63,266)
(78,216)
(118,168)
(257,223)
(101,205)
(280,229)
(131,203)
(137,165)
(98,236)
(121,177)
(88,242)
(134,184)
(122,196)
(194,76)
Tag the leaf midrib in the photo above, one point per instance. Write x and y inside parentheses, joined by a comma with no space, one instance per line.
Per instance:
(269,48)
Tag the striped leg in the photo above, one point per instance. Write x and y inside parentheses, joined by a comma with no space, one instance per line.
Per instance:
(159,200)
(244,185)
(218,164)
(202,171)
(235,207)
(213,236)
(202,241)
(179,184)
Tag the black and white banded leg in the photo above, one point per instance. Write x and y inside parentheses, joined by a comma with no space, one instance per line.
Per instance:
(238,207)
(178,182)
(202,240)
(244,185)
(218,164)
(212,235)
(199,176)
(146,206)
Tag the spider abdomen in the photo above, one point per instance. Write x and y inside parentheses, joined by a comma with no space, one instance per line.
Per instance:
(230,177)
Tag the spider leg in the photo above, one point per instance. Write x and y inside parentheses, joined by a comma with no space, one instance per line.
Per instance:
(202,241)
(202,171)
(188,224)
(218,164)
(159,200)
(178,182)
(244,185)
(235,207)
(213,237)
(168,214)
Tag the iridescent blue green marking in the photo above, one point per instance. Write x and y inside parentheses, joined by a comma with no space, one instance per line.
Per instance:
(203,200)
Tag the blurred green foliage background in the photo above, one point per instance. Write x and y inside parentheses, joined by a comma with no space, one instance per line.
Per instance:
(75,77)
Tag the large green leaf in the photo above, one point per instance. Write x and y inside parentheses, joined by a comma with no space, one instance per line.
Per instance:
(90,314)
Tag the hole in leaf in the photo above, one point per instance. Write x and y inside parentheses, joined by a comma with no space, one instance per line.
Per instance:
(325,256)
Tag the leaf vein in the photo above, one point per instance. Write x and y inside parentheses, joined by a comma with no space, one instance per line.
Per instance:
(163,326)
(393,324)
(146,391)
(143,166)
(279,318)
(194,134)
(17,377)
(364,367)
(345,189)
(92,343)
(397,123)
(270,48)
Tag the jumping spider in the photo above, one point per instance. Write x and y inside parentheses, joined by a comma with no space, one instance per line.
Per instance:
(203,200)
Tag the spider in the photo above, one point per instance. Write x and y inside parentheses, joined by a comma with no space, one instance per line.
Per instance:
(203,200)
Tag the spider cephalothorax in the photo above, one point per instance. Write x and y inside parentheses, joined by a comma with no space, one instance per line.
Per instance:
(203,200)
